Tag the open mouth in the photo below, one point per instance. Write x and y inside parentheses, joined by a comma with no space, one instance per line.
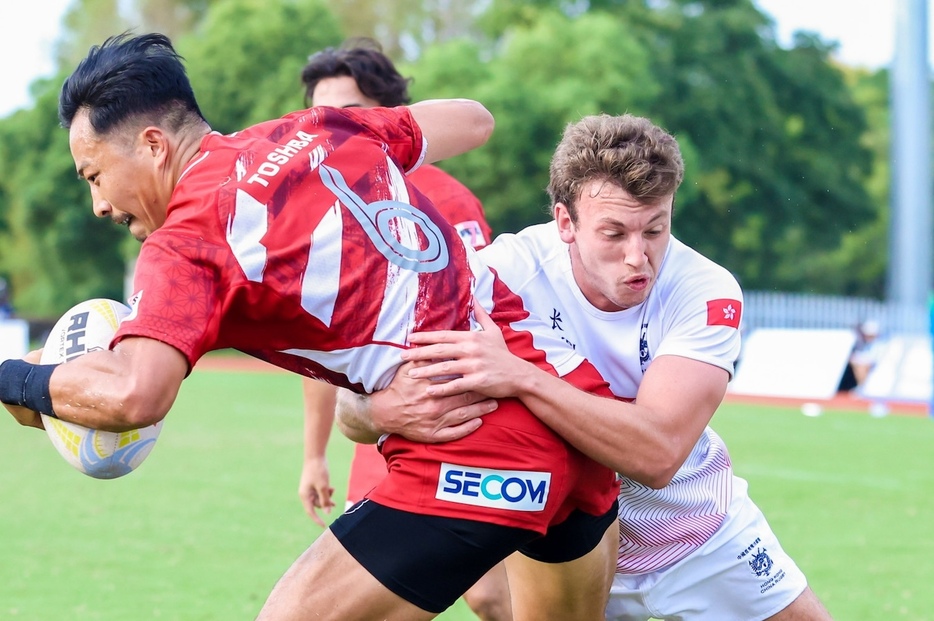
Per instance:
(639,283)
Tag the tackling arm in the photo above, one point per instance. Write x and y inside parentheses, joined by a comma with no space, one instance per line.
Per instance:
(403,408)
(647,440)
(354,417)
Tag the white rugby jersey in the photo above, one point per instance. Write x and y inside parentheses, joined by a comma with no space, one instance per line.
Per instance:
(693,311)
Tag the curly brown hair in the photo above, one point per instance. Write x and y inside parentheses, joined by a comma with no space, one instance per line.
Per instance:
(629,151)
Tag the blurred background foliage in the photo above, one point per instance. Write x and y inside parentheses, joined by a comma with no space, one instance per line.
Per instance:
(787,151)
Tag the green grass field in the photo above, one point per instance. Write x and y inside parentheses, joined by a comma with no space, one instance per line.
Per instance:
(204,528)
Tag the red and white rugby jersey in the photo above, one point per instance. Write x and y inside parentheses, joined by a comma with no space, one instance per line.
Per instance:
(456,203)
(693,311)
(299,241)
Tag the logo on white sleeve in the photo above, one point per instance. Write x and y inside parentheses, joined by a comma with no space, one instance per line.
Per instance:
(513,490)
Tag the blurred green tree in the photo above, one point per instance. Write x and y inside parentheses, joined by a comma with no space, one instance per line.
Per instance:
(782,166)
(53,248)
(549,70)
(245,58)
(786,152)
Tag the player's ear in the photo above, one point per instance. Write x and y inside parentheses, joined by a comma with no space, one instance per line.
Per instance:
(564,222)
(156,142)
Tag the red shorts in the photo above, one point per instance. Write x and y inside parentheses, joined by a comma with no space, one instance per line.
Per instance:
(513,471)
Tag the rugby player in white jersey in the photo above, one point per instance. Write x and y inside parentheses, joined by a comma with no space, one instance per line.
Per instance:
(661,323)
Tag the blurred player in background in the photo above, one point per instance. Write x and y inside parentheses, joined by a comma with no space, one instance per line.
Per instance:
(359,75)
(300,242)
(661,323)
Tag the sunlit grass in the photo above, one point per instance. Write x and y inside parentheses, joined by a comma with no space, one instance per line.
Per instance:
(211,520)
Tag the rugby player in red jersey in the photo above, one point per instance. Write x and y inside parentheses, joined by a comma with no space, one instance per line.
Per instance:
(300,241)
(359,75)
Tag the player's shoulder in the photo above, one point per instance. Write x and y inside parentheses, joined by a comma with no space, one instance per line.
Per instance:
(430,172)
(442,187)
(273,143)
(389,125)
(688,271)
(532,247)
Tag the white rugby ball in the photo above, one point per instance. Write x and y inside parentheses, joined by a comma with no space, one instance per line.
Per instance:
(87,327)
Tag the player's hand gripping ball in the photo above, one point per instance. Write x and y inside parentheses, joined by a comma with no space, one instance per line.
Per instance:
(87,327)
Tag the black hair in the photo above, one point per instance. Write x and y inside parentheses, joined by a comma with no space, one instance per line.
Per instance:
(363,60)
(129,76)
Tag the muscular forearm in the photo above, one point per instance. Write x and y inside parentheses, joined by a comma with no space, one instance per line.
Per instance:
(623,436)
(101,391)
(129,387)
(647,440)
(86,391)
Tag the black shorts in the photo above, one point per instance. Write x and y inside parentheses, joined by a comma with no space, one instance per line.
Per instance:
(430,561)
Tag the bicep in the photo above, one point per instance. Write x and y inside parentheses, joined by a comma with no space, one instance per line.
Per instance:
(684,393)
(452,126)
(155,368)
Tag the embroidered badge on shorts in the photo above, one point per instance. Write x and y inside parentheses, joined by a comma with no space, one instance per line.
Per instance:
(760,563)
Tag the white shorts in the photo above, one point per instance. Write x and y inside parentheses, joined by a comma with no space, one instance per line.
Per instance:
(740,574)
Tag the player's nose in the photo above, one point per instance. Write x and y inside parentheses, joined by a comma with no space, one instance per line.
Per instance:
(102,209)
(635,251)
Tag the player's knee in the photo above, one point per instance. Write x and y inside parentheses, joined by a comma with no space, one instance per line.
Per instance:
(489,609)
(489,604)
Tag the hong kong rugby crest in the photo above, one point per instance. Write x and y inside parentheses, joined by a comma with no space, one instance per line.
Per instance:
(761,563)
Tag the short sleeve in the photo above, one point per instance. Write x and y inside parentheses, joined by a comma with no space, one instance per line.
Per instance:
(175,297)
(702,321)
(397,129)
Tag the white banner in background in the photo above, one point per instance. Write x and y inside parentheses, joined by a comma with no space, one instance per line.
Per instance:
(14,338)
(903,373)
(796,363)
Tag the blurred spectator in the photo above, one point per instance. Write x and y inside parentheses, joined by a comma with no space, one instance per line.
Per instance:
(6,308)
(866,353)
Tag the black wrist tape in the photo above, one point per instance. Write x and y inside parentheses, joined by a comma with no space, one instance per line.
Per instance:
(26,384)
